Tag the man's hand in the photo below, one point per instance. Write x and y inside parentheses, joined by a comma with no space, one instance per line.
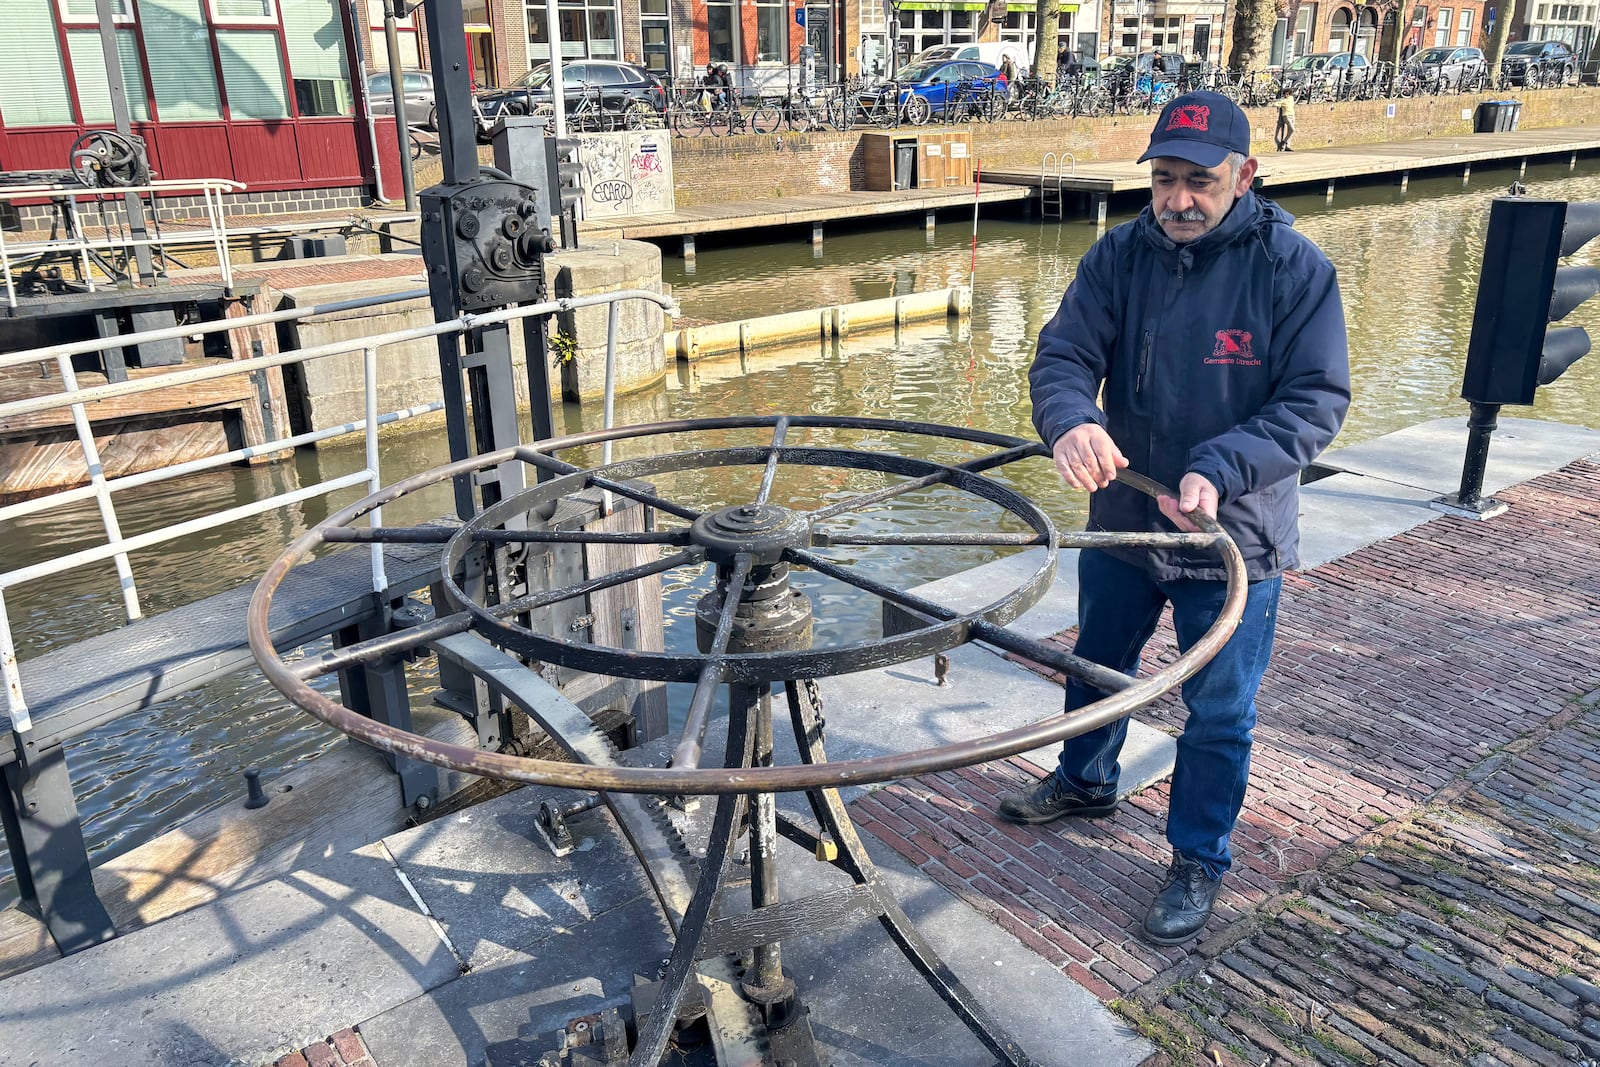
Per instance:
(1087,458)
(1194,493)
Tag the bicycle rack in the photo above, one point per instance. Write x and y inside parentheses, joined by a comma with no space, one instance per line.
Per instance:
(1050,195)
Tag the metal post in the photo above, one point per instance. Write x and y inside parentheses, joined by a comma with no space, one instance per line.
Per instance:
(369,372)
(558,92)
(391,37)
(765,983)
(1481,425)
(452,94)
(97,478)
(131,202)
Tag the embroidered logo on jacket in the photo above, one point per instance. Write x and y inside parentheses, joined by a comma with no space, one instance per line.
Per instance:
(1233,349)
(1190,117)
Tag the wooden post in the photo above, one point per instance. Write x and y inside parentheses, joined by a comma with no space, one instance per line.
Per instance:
(264,416)
(629,616)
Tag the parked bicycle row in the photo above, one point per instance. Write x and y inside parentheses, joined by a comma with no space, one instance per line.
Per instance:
(604,96)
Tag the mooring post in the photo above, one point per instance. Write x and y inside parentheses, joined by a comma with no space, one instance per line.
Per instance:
(1405,180)
(1330,190)
(816,240)
(929,223)
(1466,173)
(688,248)
(1100,210)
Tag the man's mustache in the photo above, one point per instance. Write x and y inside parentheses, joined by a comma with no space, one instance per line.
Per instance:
(1194,214)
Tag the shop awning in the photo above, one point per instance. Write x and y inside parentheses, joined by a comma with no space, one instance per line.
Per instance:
(942,5)
(1029,5)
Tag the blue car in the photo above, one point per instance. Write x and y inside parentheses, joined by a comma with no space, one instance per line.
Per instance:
(959,90)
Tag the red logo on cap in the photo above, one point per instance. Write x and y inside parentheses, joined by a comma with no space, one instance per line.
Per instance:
(1190,117)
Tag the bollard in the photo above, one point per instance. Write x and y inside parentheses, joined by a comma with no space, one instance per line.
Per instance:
(257,797)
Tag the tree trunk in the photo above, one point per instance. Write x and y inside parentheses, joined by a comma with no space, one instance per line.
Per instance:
(1509,14)
(1253,21)
(1048,22)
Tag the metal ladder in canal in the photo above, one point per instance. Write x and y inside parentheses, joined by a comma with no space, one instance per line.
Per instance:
(1050,195)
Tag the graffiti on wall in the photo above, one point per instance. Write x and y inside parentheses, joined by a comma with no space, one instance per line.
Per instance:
(626,173)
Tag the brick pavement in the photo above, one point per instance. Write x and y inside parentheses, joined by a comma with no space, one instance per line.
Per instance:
(344,1049)
(1418,727)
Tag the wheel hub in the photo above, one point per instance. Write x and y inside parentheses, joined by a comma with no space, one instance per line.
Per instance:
(762,531)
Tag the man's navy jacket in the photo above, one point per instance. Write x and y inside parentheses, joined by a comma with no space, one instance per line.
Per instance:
(1225,356)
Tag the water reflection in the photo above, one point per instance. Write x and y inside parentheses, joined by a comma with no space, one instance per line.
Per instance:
(1408,266)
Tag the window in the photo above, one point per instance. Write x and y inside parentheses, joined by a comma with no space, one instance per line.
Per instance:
(1130,35)
(73,11)
(313,35)
(89,71)
(406,37)
(252,74)
(719,31)
(1304,27)
(1464,28)
(1166,34)
(588,29)
(178,46)
(655,27)
(1441,29)
(243,11)
(33,93)
(772,31)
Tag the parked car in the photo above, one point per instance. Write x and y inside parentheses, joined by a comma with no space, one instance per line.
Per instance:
(930,88)
(990,52)
(619,86)
(1454,66)
(1325,70)
(1538,63)
(417,87)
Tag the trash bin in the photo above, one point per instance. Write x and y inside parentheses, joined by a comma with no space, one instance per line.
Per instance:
(905,164)
(1487,119)
(1510,112)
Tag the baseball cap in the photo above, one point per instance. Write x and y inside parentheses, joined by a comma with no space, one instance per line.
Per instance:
(1201,127)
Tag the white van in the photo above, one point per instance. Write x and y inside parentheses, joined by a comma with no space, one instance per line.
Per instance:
(991,52)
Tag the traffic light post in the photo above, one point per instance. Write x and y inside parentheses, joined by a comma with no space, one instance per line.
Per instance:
(1524,287)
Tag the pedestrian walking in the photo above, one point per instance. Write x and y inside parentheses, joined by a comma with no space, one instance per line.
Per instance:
(1285,131)
(1216,336)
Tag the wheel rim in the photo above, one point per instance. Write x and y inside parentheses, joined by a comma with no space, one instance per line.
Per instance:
(778,778)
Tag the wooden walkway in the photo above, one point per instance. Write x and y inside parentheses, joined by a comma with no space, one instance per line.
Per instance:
(1325,166)
(793,211)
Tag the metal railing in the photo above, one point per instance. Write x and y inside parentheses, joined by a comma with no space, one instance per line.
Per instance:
(82,250)
(117,547)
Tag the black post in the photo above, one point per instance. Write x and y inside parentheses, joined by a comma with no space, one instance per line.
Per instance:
(402,131)
(1481,425)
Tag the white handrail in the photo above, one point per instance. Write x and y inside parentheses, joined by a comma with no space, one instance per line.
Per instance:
(118,547)
(67,198)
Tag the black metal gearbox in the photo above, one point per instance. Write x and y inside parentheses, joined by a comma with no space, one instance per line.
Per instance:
(483,244)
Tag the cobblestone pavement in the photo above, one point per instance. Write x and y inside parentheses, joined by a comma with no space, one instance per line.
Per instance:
(1418,860)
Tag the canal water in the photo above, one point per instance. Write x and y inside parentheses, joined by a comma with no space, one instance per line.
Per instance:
(1408,266)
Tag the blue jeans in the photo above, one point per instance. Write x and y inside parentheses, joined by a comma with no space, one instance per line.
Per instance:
(1119,605)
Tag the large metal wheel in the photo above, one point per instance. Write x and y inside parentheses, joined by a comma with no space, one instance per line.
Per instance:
(750,541)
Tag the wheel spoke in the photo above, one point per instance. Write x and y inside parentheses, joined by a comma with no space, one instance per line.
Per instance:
(392,644)
(779,432)
(534,601)
(424,535)
(692,739)
(1102,678)
(974,466)
(1082,539)
(634,493)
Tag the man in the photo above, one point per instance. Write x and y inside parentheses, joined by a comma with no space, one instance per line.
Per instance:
(1217,337)
(1285,131)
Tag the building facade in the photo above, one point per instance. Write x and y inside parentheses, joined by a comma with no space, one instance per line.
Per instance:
(258,91)
(1193,29)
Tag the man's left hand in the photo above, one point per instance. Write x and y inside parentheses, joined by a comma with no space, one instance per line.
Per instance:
(1194,493)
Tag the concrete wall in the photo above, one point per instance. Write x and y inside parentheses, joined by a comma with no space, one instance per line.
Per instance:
(329,392)
(711,170)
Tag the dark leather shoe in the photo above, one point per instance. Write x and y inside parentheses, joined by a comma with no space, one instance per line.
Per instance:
(1183,905)
(1047,801)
